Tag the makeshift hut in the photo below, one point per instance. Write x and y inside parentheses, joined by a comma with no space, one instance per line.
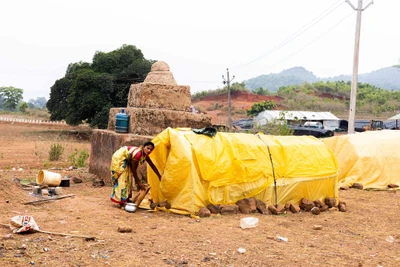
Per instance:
(198,170)
(370,158)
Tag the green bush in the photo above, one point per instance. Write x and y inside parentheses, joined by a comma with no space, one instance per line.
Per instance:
(81,160)
(83,156)
(56,151)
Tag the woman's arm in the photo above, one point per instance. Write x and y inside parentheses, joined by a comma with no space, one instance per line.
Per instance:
(135,165)
(154,168)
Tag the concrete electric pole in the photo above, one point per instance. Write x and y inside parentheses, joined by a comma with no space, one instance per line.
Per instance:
(353,94)
(228,82)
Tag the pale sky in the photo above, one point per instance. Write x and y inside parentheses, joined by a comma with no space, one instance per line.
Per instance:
(198,39)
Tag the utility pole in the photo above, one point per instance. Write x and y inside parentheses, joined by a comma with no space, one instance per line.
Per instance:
(228,81)
(353,94)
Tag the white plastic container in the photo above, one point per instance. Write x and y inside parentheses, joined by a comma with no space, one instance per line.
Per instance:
(131,207)
(281,238)
(248,222)
(48,178)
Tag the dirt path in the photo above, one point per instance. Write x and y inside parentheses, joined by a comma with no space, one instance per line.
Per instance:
(354,238)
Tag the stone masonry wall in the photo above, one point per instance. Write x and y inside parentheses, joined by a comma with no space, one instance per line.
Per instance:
(104,144)
(162,96)
(154,121)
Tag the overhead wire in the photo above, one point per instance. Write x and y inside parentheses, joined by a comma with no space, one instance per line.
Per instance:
(313,41)
(299,32)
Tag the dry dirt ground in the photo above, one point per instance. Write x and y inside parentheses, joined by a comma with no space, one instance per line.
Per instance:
(366,235)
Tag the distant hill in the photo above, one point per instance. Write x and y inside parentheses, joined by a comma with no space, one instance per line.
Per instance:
(386,78)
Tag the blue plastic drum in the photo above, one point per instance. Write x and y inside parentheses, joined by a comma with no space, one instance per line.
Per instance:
(122,122)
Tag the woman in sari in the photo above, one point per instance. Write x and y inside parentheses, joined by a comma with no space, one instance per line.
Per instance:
(124,164)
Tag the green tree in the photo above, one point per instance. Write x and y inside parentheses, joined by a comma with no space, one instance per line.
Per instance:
(261,91)
(39,102)
(259,107)
(89,90)
(11,97)
(22,108)
(90,93)
(57,104)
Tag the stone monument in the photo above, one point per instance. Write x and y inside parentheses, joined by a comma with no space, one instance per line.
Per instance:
(153,106)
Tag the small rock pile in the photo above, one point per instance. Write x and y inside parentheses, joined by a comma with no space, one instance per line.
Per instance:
(252,205)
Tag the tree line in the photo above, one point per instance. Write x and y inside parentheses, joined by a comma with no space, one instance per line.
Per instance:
(11,100)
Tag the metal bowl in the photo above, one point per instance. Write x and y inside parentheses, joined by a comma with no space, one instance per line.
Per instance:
(131,207)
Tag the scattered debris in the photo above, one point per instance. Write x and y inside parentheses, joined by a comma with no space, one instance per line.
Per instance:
(272,209)
(6,237)
(214,209)
(261,207)
(247,205)
(306,204)
(76,180)
(357,186)
(315,211)
(48,199)
(294,208)
(98,183)
(318,203)
(164,204)
(281,238)
(123,229)
(241,250)
(248,222)
(342,207)
(330,201)
(204,212)
(252,205)
(391,239)
(317,227)
(25,223)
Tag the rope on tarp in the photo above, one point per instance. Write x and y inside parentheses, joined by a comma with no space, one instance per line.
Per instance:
(273,170)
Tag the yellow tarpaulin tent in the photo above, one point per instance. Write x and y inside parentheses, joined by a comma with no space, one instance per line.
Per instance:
(369,158)
(198,170)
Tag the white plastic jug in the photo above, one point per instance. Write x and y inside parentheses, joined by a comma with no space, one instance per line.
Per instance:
(248,222)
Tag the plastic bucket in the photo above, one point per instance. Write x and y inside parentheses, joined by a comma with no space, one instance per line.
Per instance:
(48,178)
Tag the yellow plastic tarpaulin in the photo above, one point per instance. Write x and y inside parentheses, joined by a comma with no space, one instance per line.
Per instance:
(369,158)
(198,170)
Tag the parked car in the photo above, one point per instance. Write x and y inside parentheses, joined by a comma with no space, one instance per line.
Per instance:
(316,132)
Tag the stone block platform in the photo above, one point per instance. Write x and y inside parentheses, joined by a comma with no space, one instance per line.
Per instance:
(154,121)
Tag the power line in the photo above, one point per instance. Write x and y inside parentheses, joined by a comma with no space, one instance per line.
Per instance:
(298,32)
(228,82)
(319,37)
